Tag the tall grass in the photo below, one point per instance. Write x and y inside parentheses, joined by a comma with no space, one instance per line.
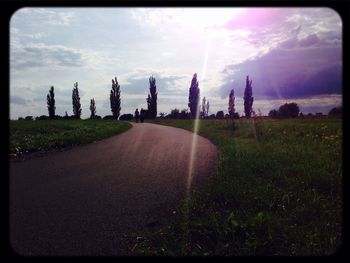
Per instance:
(277,191)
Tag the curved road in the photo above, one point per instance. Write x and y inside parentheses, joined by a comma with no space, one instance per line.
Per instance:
(85,201)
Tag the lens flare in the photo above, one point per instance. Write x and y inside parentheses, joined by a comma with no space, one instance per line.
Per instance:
(196,121)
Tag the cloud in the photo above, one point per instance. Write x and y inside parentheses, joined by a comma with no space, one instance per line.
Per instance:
(270,27)
(18,100)
(46,15)
(137,82)
(38,55)
(295,69)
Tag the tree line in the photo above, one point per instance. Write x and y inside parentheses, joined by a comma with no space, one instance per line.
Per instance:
(196,110)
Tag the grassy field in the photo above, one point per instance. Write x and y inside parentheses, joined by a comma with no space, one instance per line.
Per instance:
(33,136)
(277,191)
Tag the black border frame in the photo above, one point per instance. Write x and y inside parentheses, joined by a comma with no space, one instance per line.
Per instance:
(8,8)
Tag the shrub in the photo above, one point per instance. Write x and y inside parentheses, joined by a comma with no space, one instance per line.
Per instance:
(42,118)
(126,117)
(273,113)
(220,114)
(289,110)
(336,111)
(108,117)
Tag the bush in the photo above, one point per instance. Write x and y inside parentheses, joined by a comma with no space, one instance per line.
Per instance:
(29,118)
(289,110)
(42,118)
(184,114)
(174,114)
(220,114)
(108,117)
(336,111)
(97,117)
(126,117)
(236,115)
(273,113)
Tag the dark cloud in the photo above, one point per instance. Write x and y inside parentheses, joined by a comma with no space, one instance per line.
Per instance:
(291,70)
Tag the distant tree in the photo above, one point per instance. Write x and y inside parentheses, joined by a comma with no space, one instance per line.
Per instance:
(28,118)
(20,118)
(115,98)
(273,113)
(203,106)
(51,102)
(248,98)
(66,115)
(143,114)
(193,98)
(301,115)
(211,116)
(174,114)
(92,109)
(76,101)
(220,114)
(162,114)
(289,110)
(336,111)
(231,104)
(236,115)
(207,109)
(184,114)
(42,118)
(152,98)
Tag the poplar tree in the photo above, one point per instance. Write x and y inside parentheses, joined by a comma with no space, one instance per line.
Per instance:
(248,98)
(92,109)
(115,98)
(231,104)
(207,109)
(76,101)
(203,108)
(51,103)
(193,97)
(152,98)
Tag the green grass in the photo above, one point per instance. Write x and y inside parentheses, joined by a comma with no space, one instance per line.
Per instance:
(32,136)
(277,191)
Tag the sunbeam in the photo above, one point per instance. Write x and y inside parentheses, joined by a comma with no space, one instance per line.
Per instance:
(196,121)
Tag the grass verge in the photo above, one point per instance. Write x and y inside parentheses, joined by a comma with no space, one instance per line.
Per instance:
(33,136)
(277,191)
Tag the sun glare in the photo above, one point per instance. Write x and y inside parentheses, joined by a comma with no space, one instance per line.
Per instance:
(209,17)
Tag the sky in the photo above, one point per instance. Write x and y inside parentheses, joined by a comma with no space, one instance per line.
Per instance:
(290,54)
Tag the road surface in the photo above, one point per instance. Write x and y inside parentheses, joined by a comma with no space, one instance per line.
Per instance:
(86,200)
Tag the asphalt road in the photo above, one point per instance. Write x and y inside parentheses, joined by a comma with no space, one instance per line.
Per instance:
(86,200)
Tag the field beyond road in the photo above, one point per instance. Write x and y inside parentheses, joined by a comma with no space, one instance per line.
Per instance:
(34,136)
(277,191)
